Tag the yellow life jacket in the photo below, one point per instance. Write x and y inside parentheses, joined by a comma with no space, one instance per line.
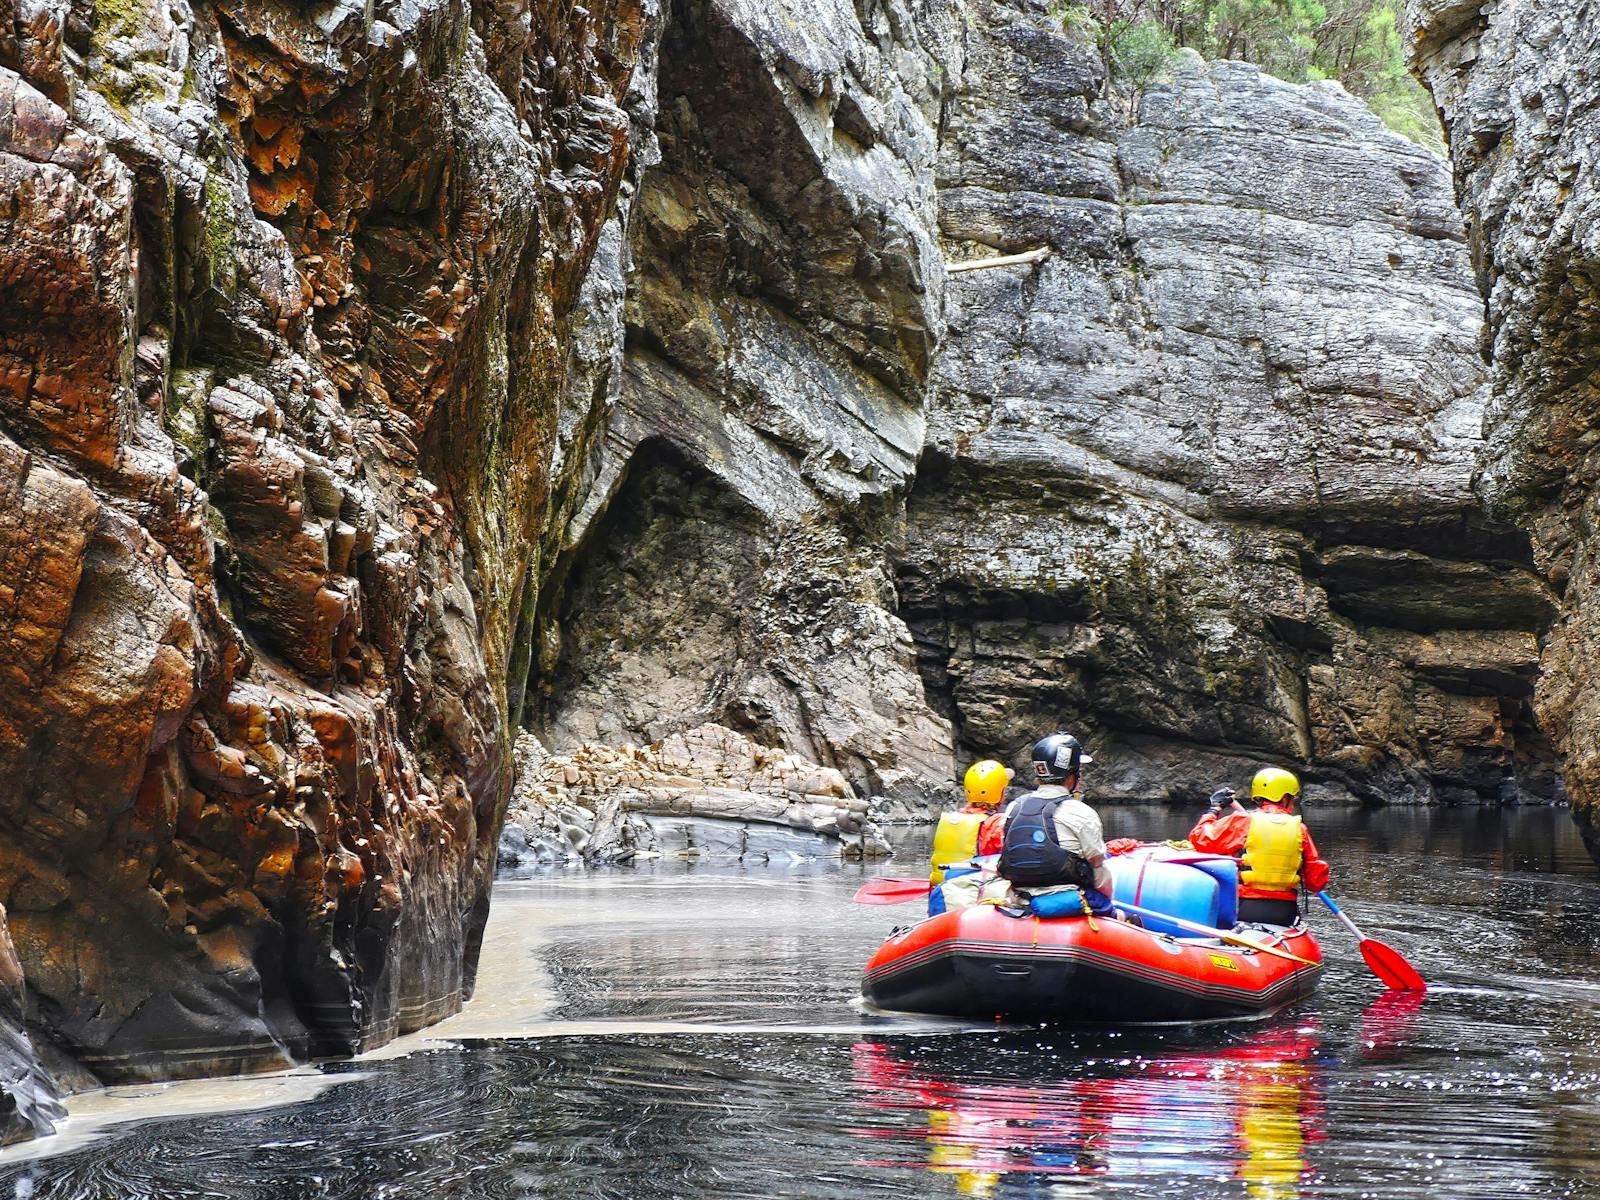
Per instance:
(1271,861)
(955,840)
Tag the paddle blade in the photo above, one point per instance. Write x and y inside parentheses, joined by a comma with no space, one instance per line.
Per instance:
(889,890)
(1389,965)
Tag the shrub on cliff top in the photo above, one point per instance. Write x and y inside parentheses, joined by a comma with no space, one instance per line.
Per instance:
(1356,42)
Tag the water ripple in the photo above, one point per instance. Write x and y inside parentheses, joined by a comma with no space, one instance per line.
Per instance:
(678,1033)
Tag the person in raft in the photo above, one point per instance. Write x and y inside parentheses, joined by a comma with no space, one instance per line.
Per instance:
(1051,837)
(1271,842)
(975,830)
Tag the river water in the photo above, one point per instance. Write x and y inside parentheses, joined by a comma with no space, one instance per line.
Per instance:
(692,1030)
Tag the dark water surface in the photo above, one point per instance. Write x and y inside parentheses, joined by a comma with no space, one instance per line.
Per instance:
(691,1031)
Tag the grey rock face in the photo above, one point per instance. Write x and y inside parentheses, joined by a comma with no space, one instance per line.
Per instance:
(1201,480)
(1517,84)
(727,558)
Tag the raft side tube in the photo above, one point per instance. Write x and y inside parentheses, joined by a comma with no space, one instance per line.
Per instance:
(982,964)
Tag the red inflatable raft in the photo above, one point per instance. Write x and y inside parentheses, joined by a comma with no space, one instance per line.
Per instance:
(983,962)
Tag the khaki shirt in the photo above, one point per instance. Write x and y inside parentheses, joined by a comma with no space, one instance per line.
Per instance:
(1078,830)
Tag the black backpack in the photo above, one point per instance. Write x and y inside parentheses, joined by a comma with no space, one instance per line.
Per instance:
(1033,855)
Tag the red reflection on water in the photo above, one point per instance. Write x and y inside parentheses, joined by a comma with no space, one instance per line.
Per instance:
(1245,1111)
(1387,1024)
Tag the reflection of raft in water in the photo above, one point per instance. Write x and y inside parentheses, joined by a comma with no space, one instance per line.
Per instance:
(1247,1110)
(984,962)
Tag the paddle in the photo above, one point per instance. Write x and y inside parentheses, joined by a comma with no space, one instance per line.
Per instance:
(1387,963)
(892,890)
(1206,930)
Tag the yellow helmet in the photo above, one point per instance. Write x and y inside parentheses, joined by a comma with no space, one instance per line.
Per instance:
(986,782)
(1275,785)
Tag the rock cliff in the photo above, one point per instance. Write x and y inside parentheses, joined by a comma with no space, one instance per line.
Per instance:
(1518,85)
(1200,482)
(726,557)
(287,294)
(375,380)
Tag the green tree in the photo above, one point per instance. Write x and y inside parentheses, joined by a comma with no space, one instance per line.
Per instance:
(1356,42)
(1135,49)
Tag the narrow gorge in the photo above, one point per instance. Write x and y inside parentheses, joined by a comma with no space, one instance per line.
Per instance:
(396,395)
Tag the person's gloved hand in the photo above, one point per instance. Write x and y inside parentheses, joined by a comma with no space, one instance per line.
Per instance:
(1118,846)
(1219,798)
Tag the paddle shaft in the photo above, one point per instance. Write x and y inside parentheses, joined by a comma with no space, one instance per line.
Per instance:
(1222,935)
(1340,913)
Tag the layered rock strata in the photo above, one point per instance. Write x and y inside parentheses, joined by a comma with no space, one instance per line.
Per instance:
(1198,484)
(1518,88)
(284,321)
(705,792)
(725,560)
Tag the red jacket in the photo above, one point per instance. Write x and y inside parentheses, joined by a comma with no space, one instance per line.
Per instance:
(1226,832)
(992,833)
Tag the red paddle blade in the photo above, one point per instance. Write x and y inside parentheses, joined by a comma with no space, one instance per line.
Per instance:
(891,891)
(1389,965)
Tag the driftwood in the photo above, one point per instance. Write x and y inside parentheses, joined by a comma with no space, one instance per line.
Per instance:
(1005,260)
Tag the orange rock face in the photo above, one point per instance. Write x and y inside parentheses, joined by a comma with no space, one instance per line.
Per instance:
(283,308)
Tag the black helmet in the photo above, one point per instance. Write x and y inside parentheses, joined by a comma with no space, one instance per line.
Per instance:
(1057,756)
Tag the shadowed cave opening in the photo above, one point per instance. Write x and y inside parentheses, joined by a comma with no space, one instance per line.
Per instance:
(1392,668)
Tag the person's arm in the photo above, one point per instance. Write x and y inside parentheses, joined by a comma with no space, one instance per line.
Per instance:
(1220,833)
(1094,853)
(1102,874)
(1313,868)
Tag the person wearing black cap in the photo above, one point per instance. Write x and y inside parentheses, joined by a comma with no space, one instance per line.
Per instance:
(1051,836)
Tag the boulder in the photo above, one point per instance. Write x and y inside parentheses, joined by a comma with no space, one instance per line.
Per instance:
(705,791)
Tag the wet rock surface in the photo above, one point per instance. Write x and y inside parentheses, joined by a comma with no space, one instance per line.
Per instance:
(707,791)
(30,1096)
(1517,85)
(1198,484)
